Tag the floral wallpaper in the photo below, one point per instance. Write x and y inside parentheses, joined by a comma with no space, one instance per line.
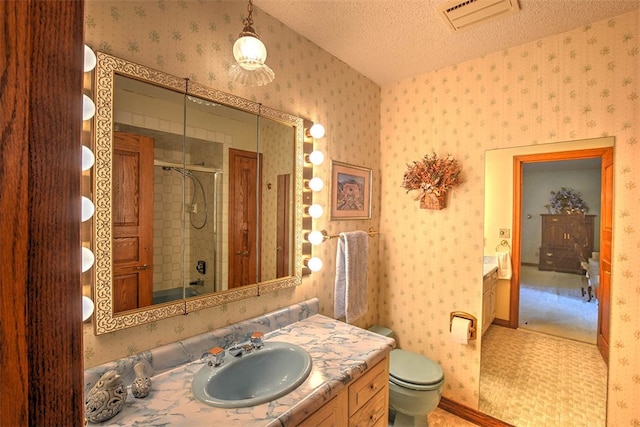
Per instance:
(194,39)
(575,85)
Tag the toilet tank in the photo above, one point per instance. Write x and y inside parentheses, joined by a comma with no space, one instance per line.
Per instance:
(381,330)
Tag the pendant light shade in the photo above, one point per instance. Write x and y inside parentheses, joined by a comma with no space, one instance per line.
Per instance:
(250,55)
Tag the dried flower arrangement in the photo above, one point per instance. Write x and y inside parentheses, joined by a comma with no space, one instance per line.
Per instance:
(432,176)
(566,200)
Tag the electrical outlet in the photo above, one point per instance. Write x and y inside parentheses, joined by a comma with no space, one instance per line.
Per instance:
(505,233)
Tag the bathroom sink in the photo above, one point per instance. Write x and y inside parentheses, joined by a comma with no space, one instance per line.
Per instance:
(258,377)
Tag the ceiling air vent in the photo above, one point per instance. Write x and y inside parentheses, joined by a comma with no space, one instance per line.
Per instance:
(461,14)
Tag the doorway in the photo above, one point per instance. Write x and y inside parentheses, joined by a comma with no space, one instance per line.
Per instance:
(558,249)
(606,199)
(244,222)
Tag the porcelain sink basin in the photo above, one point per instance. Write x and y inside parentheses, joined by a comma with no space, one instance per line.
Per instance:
(258,377)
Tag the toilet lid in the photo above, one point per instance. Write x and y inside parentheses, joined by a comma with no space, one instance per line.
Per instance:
(414,371)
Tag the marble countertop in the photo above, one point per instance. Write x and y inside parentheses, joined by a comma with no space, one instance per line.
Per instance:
(490,264)
(488,269)
(340,353)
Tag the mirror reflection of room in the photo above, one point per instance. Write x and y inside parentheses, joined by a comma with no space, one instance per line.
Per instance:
(556,304)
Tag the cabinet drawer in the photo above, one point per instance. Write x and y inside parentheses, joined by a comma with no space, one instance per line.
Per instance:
(373,413)
(368,385)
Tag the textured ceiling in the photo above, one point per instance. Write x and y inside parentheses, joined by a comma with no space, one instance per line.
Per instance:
(391,40)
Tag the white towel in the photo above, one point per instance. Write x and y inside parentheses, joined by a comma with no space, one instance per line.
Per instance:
(504,265)
(352,263)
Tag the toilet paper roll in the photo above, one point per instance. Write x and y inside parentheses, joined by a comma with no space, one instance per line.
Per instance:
(460,328)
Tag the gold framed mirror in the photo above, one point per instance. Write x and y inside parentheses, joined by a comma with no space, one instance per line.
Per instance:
(198,196)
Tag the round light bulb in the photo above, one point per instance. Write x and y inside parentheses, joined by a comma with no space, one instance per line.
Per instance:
(315,210)
(316,184)
(88,159)
(87,259)
(315,237)
(90,60)
(250,52)
(314,264)
(317,131)
(316,157)
(88,108)
(87,209)
(87,308)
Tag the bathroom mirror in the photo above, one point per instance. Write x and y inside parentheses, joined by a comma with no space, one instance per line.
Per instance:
(198,196)
(502,213)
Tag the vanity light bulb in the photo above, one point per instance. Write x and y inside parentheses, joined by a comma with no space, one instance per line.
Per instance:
(317,131)
(315,237)
(316,157)
(314,264)
(89,59)
(88,159)
(87,259)
(315,211)
(87,209)
(87,308)
(316,184)
(88,108)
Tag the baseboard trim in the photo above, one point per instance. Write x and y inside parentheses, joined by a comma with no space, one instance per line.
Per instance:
(503,322)
(471,415)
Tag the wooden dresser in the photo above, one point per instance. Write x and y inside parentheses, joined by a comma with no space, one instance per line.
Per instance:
(566,241)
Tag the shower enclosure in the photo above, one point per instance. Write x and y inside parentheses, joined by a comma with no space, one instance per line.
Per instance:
(187,206)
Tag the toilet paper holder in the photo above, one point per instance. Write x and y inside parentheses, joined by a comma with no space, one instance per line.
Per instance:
(474,322)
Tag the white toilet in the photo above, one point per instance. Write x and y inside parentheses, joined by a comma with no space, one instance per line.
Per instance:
(415,385)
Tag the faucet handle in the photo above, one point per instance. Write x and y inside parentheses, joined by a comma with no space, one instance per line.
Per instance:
(256,339)
(218,355)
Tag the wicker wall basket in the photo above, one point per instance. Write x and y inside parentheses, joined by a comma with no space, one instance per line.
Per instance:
(431,201)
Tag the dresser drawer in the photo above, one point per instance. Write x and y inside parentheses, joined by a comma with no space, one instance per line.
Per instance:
(373,413)
(368,385)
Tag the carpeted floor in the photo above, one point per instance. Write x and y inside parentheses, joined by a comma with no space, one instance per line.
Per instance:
(552,303)
(530,379)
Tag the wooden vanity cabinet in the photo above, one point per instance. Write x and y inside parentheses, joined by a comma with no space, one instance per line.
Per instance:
(489,297)
(365,403)
(567,239)
(332,414)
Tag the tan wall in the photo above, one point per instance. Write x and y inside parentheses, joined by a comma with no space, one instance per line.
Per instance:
(194,39)
(576,85)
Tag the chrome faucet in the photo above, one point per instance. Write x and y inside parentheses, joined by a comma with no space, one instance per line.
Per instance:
(256,340)
(217,353)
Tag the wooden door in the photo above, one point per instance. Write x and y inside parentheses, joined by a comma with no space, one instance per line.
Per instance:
(41,330)
(132,219)
(244,225)
(606,231)
(283,230)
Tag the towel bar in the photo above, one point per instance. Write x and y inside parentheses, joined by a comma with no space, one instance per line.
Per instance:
(372,232)
(503,243)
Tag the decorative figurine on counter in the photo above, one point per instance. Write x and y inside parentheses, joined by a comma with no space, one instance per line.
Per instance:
(142,384)
(106,398)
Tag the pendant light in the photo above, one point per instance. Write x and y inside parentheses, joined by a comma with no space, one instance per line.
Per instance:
(250,54)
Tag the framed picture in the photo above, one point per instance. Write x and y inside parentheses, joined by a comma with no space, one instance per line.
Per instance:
(350,191)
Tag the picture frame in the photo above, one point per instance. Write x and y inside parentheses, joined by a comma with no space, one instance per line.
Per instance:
(350,191)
